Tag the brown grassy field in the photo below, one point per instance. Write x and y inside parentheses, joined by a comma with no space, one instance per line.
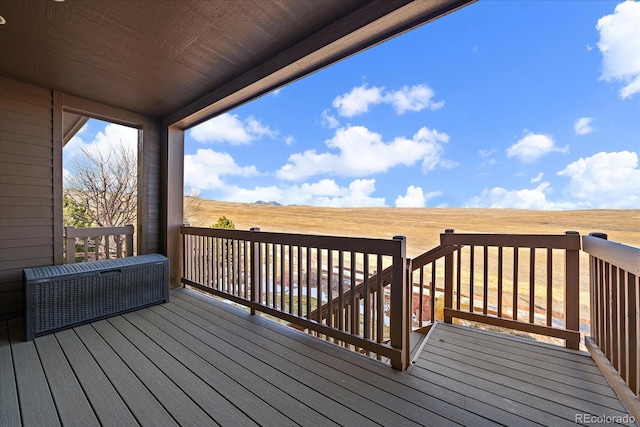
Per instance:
(422,226)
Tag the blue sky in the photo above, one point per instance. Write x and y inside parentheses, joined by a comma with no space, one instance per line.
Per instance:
(521,104)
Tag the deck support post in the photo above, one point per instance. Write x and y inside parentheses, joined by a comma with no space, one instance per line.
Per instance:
(572,292)
(448,282)
(399,307)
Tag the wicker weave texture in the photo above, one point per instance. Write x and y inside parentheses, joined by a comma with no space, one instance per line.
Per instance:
(63,296)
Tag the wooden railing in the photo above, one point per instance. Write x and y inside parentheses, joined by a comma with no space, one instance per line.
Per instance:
(487,281)
(291,277)
(94,243)
(614,272)
(491,282)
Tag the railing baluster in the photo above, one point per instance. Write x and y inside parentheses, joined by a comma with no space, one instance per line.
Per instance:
(290,285)
(515,283)
(549,286)
(366,296)
(532,284)
(633,323)
(623,328)
(308,281)
(458,278)
(274,275)
(472,265)
(341,306)
(329,288)
(380,302)
(485,279)
(299,263)
(282,278)
(615,316)
(319,280)
(500,279)
(354,321)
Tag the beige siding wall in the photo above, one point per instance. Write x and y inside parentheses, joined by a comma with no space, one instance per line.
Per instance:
(26,187)
(31,182)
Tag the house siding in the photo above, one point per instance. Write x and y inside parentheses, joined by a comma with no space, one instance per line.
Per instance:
(31,181)
(26,187)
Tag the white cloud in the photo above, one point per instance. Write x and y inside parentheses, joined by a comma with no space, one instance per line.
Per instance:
(533,146)
(328,120)
(602,181)
(289,140)
(361,152)
(537,178)
(326,192)
(203,170)
(414,98)
(620,47)
(358,101)
(605,180)
(230,128)
(499,197)
(582,126)
(104,142)
(415,198)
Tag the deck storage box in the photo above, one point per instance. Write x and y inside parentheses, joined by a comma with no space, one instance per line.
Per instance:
(63,296)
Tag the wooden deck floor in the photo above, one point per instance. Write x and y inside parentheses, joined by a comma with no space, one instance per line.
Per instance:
(199,362)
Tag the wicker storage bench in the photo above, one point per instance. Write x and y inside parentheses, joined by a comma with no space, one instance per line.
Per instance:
(63,296)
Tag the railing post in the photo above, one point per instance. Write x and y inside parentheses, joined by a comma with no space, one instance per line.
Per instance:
(182,255)
(572,291)
(399,311)
(448,282)
(71,245)
(129,241)
(255,271)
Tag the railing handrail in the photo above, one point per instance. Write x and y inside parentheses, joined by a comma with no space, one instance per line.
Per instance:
(72,233)
(622,256)
(334,243)
(538,241)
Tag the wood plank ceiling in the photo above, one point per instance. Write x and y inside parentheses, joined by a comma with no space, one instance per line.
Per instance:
(186,60)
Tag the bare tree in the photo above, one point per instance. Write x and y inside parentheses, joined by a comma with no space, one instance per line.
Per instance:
(105,185)
(192,213)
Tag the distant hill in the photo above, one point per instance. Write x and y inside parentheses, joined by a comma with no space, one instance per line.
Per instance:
(271,203)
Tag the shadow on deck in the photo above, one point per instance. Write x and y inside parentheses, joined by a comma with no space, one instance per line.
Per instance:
(197,361)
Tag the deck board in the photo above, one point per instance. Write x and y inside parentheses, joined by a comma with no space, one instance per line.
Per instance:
(536,390)
(9,407)
(181,407)
(438,406)
(196,361)
(522,373)
(36,402)
(103,397)
(71,402)
(276,372)
(142,404)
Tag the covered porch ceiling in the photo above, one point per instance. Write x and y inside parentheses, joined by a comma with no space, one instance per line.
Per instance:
(186,61)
